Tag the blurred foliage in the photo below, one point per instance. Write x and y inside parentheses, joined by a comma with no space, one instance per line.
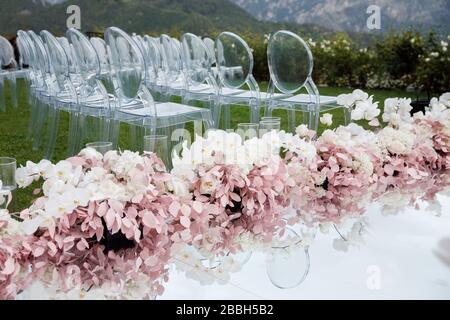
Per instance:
(406,60)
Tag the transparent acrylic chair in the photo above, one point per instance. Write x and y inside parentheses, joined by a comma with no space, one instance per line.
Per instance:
(63,90)
(8,71)
(36,83)
(24,64)
(93,120)
(41,89)
(290,64)
(172,71)
(103,54)
(155,77)
(209,43)
(73,66)
(235,65)
(199,81)
(135,104)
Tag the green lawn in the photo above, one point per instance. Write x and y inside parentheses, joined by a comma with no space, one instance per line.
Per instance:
(14,125)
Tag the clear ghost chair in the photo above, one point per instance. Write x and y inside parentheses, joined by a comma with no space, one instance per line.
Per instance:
(200,84)
(25,64)
(290,64)
(209,43)
(103,54)
(235,65)
(155,76)
(135,104)
(95,104)
(8,71)
(63,90)
(42,88)
(73,66)
(35,78)
(171,67)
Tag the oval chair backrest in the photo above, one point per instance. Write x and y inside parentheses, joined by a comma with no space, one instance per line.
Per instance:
(24,49)
(195,57)
(41,58)
(59,63)
(6,53)
(28,45)
(290,61)
(210,44)
(128,64)
(234,60)
(85,55)
(153,55)
(100,48)
(171,62)
(68,49)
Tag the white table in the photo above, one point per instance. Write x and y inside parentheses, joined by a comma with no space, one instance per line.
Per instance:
(397,261)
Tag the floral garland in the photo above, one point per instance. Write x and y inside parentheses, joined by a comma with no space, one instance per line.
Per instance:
(109,226)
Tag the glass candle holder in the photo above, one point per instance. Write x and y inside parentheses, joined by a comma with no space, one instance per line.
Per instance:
(266,126)
(158,144)
(287,262)
(8,180)
(247,131)
(276,119)
(100,146)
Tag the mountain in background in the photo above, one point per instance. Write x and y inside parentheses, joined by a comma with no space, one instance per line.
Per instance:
(350,15)
(140,16)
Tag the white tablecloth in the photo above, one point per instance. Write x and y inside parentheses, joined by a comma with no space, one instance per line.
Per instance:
(399,251)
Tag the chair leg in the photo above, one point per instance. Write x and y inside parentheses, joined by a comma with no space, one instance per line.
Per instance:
(13,89)
(2,95)
(73,134)
(34,104)
(268,111)
(114,132)
(81,133)
(347,116)
(226,116)
(40,124)
(132,138)
(291,119)
(53,126)
(254,113)
(313,123)
(214,107)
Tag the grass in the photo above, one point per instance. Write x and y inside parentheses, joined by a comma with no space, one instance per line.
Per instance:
(14,124)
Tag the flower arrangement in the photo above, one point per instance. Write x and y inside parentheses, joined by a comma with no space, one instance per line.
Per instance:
(108,226)
(243,186)
(100,223)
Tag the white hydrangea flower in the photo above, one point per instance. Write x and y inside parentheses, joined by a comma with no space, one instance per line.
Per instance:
(326,119)
(396,141)
(397,110)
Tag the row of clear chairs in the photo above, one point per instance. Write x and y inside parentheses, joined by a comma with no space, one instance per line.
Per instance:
(103,83)
(219,73)
(68,75)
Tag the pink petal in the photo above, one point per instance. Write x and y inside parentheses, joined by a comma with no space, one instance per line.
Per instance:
(174,208)
(185,222)
(9,267)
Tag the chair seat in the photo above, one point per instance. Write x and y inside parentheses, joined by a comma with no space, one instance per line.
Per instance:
(263,95)
(164,109)
(225,91)
(305,98)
